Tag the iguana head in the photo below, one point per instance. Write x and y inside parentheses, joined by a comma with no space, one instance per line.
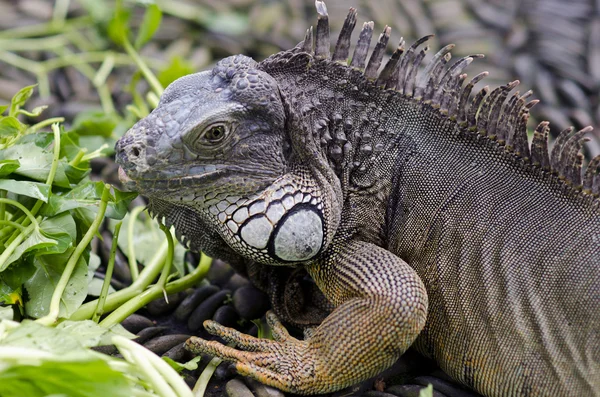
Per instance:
(215,160)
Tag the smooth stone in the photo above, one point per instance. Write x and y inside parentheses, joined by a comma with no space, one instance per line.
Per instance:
(207,309)
(237,388)
(226,316)
(250,302)
(164,343)
(192,301)
(134,323)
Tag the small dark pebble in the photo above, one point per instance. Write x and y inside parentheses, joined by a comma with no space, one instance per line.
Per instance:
(261,390)
(374,393)
(250,302)
(189,380)
(161,306)
(136,322)
(163,343)
(219,273)
(237,388)
(410,391)
(226,316)
(177,352)
(148,333)
(447,387)
(206,309)
(236,281)
(253,331)
(192,301)
(224,371)
(106,349)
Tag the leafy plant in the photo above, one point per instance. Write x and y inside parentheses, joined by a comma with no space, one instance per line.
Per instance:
(50,211)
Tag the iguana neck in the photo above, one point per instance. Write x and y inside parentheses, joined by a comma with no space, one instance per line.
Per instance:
(339,117)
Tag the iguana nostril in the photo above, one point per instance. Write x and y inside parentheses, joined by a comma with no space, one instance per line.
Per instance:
(135,151)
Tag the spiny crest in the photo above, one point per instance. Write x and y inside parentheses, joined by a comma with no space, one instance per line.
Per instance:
(493,114)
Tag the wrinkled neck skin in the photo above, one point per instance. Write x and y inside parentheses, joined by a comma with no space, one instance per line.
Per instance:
(346,136)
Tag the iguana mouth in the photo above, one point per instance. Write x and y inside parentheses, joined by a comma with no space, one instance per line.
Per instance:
(148,185)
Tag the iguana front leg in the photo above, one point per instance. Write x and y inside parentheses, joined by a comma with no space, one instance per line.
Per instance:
(381,307)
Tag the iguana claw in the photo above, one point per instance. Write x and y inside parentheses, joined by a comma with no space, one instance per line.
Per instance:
(284,362)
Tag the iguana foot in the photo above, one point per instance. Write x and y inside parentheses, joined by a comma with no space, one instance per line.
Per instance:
(285,362)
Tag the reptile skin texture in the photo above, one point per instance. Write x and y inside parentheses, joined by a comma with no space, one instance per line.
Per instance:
(422,214)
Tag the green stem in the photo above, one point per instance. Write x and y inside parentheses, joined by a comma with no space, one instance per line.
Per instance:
(78,157)
(45,29)
(20,206)
(133,268)
(204,378)
(44,123)
(42,43)
(14,244)
(114,300)
(12,224)
(108,276)
(154,292)
(54,312)
(59,14)
(150,77)
(3,194)
(54,166)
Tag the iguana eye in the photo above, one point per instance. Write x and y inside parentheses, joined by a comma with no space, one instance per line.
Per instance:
(215,134)
(209,138)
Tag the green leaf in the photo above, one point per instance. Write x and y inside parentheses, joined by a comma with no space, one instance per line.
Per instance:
(118,27)
(150,24)
(3,108)
(146,238)
(36,190)
(20,98)
(35,241)
(86,195)
(42,361)
(90,334)
(62,229)
(35,161)
(6,313)
(7,167)
(96,123)
(78,378)
(190,365)
(178,67)
(10,127)
(40,287)
(232,23)
(426,391)
(119,208)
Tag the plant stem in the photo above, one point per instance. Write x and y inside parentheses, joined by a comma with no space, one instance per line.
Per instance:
(150,77)
(54,312)
(156,291)
(3,205)
(20,206)
(133,268)
(108,276)
(14,244)
(114,300)
(44,123)
(202,382)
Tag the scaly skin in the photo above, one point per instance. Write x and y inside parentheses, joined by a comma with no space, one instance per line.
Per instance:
(418,216)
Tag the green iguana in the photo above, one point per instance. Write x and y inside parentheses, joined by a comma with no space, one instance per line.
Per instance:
(424,216)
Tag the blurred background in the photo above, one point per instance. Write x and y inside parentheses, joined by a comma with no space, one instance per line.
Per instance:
(552,46)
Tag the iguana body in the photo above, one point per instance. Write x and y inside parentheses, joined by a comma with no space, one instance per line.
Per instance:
(421,215)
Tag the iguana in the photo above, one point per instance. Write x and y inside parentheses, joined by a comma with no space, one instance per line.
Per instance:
(423,215)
